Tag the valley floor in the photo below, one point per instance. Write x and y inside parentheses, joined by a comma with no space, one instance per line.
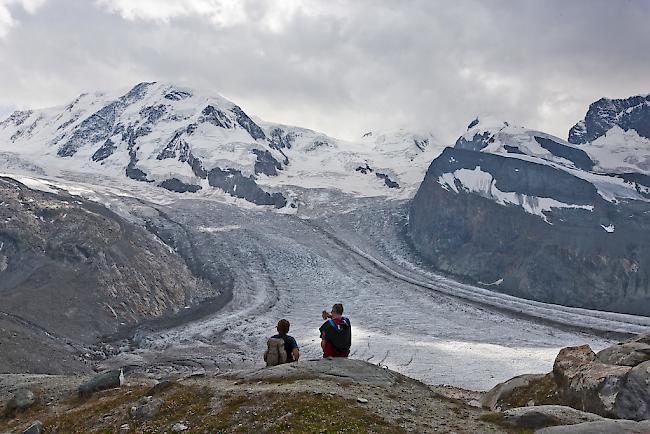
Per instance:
(352,251)
(415,322)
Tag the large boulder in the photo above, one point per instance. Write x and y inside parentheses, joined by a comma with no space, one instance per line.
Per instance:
(628,353)
(21,400)
(540,416)
(586,383)
(103,381)
(633,401)
(522,390)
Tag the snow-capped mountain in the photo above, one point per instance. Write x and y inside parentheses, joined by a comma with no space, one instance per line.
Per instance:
(616,134)
(183,141)
(536,216)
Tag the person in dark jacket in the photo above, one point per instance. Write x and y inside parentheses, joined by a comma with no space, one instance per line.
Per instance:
(290,344)
(336,333)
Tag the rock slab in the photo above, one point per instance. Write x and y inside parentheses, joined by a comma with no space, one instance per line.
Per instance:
(541,416)
(103,381)
(34,428)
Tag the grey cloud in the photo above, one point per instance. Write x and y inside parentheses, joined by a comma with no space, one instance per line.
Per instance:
(380,64)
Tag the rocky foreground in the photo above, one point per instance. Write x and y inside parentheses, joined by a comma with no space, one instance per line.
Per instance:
(608,392)
(308,396)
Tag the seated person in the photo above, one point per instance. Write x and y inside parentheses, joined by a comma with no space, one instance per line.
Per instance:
(281,348)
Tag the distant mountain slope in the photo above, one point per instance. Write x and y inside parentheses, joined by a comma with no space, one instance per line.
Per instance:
(526,213)
(186,142)
(72,271)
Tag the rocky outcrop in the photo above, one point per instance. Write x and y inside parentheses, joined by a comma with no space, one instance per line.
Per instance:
(587,384)
(527,389)
(295,397)
(233,182)
(178,186)
(248,124)
(583,381)
(628,353)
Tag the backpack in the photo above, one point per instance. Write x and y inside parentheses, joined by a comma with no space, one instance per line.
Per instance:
(340,337)
(275,353)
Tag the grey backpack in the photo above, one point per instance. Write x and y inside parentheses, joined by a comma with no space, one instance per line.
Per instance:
(275,353)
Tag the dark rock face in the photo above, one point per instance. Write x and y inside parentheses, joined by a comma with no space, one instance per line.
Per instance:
(266,163)
(577,156)
(176,148)
(247,123)
(135,173)
(478,142)
(234,183)
(17,118)
(629,113)
(99,126)
(105,151)
(96,128)
(513,150)
(177,95)
(473,124)
(175,184)
(569,260)
(281,140)
(421,144)
(216,117)
(386,178)
(640,182)
(72,271)
(365,170)
(389,182)
(153,114)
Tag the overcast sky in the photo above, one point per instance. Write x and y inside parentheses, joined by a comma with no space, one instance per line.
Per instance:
(341,67)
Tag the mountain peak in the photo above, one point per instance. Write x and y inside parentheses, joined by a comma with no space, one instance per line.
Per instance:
(602,115)
(177,138)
